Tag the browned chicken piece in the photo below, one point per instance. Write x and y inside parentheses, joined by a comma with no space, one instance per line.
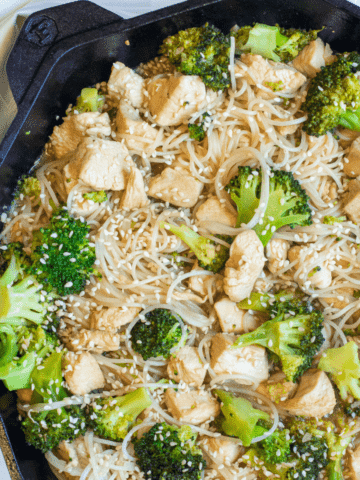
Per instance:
(96,341)
(67,136)
(82,373)
(249,361)
(214,211)
(276,253)
(129,122)
(276,76)
(186,365)
(226,451)
(134,195)
(353,464)
(124,83)
(319,279)
(200,283)
(244,266)
(315,396)
(312,58)
(100,164)
(234,320)
(173,100)
(111,319)
(352,201)
(352,160)
(177,187)
(194,407)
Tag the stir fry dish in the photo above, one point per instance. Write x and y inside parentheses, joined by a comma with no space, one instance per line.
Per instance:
(180,277)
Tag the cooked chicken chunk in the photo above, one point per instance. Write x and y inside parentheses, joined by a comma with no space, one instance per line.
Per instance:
(81,207)
(24,395)
(96,341)
(349,137)
(234,320)
(66,137)
(312,58)
(200,283)
(177,187)
(187,366)
(73,452)
(111,319)
(82,373)
(125,83)
(248,361)
(352,201)
(276,252)
(342,299)
(194,407)
(224,450)
(129,122)
(353,464)
(214,211)
(276,76)
(100,164)
(277,388)
(314,397)
(244,265)
(352,162)
(173,100)
(135,195)
(319,275)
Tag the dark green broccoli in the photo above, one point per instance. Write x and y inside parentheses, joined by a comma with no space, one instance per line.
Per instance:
(62,256)
(97,197)
(322,444)
(344,367)
(169,452)
(28,186)
(239,418)
(211,256)
(117,415)
(202,51)
(196,132)
(333,97)
(157,335)
(89,101)
(274,43)
(45,430)
(275,448)
(287,205)
(294,335)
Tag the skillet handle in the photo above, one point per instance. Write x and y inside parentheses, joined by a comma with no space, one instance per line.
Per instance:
(44,29)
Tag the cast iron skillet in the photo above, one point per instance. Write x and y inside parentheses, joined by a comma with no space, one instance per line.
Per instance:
(63,49)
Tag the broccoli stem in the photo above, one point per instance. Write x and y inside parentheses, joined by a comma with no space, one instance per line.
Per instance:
(8,344)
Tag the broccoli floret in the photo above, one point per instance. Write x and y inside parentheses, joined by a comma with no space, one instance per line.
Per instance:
(321,443)
(275,448)
(62,256)
(20,296)
(97,197)
(287,205)
(169,452)
(202,51)
(260,302)
(117,415)
(196,132)
(211,256)
(329,220)
(344,367)
(157,335)
(239,418)
(333,96)
(274,43)
(45,430)
(89,101)
(294,335)
(28,186)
